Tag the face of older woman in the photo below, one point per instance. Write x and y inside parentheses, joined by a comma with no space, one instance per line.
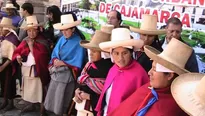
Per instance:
(159,79)
(95,55)
(121,56)
(68,32)
(148,39)
(32,33)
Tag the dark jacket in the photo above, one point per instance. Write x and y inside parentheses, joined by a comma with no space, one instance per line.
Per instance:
(103,66)
(144,60)
(191,64)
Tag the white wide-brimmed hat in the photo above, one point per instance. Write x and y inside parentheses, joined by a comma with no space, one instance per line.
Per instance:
(31,22)
(9,6)
(67,21)
(188,91)
(97,38)
(174,56)
(6,23)
(148,26)
(120,37)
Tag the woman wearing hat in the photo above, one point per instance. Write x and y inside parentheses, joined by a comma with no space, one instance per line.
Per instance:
(94,73)
(12,13)
(155,98)
(67,60)
(8,43)
(121,82)
(149,34)
(33,56)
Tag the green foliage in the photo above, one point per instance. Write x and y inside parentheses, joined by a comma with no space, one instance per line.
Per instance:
(89,22)
(85,4)
(131,23)
(87,35)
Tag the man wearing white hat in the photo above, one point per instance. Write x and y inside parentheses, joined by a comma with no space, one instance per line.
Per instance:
(174,30)
(8,44)
(155,98)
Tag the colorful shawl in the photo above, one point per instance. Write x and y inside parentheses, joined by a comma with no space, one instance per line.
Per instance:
(69,51)
(96,84)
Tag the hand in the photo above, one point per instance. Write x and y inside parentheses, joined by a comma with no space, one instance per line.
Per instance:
(58,63)
(77,95)
(85,96)
(19,59)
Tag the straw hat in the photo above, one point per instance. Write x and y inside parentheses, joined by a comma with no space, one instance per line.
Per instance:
(31,22)
(174,56)
(7,22)
(107,28)
(67,21)
(97,38)
(189,93)
(148,26)
(121,38)
(9,6)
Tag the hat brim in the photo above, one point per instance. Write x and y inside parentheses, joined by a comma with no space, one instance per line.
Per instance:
(7,26)
(8,8)
(62,26)
(106,46)
(148,32)
(32,26)
(182,89)
(88,45)
(154,55)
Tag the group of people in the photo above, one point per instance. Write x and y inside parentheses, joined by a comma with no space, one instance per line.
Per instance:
(124,76)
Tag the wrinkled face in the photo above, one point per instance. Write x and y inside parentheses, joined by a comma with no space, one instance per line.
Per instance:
(112,19)
(159,79)
(173,31)
(67,32)
(32,33)
(94,55)
(121,56)
(148,39)
(10,11)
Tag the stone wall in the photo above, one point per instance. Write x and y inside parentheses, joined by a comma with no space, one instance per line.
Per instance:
(40,6)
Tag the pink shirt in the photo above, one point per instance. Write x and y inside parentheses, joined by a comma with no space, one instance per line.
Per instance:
(125,81)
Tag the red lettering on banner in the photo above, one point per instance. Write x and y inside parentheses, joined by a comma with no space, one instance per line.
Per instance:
(147,11)
(185,20)
(164,16)
(155,12)
(175,1)
(175,14)
(201,2)
(116,7)
(108,8)
(186,2)
(135,13)
(123,10)
(102,7)
(129,12)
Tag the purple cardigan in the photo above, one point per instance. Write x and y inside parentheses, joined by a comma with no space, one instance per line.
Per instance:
(125,81)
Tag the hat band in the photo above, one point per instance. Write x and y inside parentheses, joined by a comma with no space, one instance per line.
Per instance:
(160,68)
